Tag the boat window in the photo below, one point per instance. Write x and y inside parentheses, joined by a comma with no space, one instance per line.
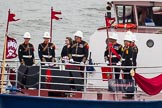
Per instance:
(124,14)
(157,15)
(150,43)
(149,16)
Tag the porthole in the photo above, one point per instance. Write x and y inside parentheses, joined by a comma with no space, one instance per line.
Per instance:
(150,43)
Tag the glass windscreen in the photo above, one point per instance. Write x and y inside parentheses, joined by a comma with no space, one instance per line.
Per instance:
(125,14)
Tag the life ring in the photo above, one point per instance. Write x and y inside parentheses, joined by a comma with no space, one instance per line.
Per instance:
(127,26)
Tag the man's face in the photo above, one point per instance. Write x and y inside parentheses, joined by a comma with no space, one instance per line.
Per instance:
(133,43)
(126,43)
(77,39)
(26,39)
(46,39)
(112,40)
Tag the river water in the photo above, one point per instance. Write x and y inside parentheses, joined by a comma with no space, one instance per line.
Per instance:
(34,15)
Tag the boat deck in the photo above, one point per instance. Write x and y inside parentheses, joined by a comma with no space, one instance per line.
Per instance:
(93,94)
(93,87)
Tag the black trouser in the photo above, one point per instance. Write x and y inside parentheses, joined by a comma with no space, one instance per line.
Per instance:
(127,73)
(128,79)
(28,61)
(117,71)
(78,60)
(48,59)
(77,74)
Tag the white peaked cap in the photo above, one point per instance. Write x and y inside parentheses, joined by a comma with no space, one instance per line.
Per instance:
(27,35)
(134,38)
(46,35)
(128,36)
(114,36)
(79,34)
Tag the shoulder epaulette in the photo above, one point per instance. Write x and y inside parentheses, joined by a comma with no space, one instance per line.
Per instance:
(85,44)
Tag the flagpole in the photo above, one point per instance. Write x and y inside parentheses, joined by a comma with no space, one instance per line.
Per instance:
(108,42)
(51,25)
(4,55)
(3,65)
(7,22)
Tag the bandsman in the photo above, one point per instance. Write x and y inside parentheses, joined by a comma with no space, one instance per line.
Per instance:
(127,60)
(26,51)
(79,49)
(113,53)
(135,49)
(79,54)
(46,50)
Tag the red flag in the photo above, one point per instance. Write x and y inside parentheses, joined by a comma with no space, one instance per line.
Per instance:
(48,78)
(109,21)
(11,47)
(11,17)
(106,73)
(53,15)
(48,73)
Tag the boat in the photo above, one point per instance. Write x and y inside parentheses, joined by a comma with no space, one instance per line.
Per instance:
(65,85)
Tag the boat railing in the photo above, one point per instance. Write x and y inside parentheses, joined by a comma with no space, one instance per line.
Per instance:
(92,82)
(75,81)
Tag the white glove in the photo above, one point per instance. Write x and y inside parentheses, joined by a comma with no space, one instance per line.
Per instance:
(118,64)
(66,61)
(34,65)
(46,64)
(65,57)
(82,63)
(107,62)
(51,64)
(71,60)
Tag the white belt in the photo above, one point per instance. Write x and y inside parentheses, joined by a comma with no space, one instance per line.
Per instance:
(47,56)
(77,55)
(27,56)
(124,59)
(112,56)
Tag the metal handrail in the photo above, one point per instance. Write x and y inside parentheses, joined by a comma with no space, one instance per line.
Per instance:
(87,78)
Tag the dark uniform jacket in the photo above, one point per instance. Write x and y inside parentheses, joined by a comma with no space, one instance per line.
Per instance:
(65,51)
(127,60)
(46,52)
(26,54)
(127,56)
(114,59)
(79,51)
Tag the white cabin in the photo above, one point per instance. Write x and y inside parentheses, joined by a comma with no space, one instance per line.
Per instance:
(149,36)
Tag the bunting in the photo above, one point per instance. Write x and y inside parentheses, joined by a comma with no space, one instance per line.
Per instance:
(151,86)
